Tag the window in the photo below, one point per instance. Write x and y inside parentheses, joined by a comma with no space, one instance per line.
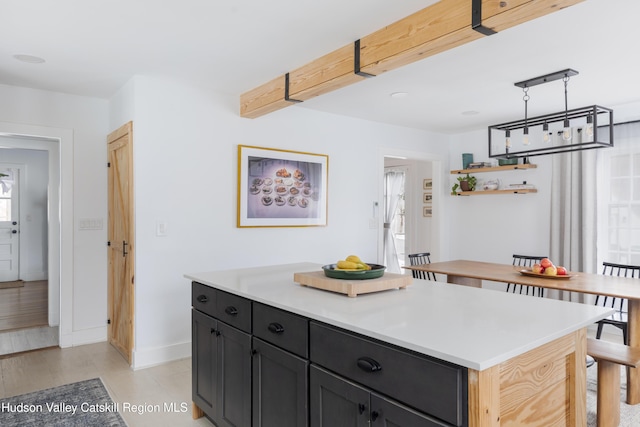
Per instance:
(619,198)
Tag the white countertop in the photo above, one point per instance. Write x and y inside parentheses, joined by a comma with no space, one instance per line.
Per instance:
(471,327)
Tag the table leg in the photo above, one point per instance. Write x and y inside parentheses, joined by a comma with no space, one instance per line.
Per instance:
(466,281)
(633,376)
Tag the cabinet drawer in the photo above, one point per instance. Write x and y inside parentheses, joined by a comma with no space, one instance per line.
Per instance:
(203,298)
(233,310)
(434,387)
(285,330)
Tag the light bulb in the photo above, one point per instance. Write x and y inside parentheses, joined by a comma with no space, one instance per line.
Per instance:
(566,132)
(588,130)
(546,135)
(525,137)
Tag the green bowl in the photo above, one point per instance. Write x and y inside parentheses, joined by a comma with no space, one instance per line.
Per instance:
(377,270)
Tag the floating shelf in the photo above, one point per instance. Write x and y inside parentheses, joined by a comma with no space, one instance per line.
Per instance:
(486,192)
(494,169)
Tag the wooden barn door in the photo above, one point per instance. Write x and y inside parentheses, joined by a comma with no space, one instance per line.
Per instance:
(121,244)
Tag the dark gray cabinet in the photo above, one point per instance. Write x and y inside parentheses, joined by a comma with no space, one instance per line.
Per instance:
(204,360)
(338,402)
(280,387)
(221,361)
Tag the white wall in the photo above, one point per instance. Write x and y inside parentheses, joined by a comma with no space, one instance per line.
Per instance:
(185,150)
(494,227)
(33,201)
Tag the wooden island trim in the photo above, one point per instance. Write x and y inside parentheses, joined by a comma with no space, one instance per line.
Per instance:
(527,390)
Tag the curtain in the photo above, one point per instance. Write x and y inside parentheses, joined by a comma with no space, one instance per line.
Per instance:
(573,213)
(393,186)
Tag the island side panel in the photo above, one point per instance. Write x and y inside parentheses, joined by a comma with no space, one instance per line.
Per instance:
(542,387)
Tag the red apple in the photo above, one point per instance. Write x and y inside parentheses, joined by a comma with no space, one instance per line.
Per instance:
(551,271)
(546,262)
(537,268)
(561,270)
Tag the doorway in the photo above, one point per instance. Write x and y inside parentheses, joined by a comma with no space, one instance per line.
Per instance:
(416,227)
(24,284)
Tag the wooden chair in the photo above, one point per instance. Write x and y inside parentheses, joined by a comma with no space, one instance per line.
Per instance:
(526,261)
(619,318)
(421,258)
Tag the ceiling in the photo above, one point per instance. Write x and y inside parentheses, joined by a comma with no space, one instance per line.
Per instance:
(92,48)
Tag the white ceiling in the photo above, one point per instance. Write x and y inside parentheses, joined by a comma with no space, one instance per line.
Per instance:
(93,47)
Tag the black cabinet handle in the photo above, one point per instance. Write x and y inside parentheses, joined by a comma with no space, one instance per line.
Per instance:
(361,408)
(202,298)
(215,331)
(276,328)
(231,311)
(367,364)
(374,415)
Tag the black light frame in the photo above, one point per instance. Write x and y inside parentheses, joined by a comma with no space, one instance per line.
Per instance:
(590,113)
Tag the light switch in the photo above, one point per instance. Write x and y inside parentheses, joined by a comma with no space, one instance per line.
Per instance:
(161,228)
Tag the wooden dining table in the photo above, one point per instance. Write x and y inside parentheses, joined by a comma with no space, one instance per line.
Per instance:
(472,273)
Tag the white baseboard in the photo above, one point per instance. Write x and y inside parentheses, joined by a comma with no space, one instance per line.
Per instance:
(32,276)
(147,358)
(86,336)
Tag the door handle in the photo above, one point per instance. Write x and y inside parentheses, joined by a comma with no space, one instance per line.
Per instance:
(124,248)
(14,231)
(14,223)
(202,298)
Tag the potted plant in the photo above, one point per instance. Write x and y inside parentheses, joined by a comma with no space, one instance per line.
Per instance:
(465,183)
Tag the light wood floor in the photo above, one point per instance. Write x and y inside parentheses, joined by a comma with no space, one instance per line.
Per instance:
(24,307)
(167,383)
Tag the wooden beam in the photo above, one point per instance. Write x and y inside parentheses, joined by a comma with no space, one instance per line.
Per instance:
(434,29)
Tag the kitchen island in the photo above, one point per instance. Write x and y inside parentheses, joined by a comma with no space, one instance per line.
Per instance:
(433,354)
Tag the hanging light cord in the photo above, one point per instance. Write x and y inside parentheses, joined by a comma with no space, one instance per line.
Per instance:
(525,98)
(565,79)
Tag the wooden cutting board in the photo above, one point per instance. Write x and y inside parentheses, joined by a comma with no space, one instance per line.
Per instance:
(317,279)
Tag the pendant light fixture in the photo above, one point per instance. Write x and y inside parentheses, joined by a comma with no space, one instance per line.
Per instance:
(576,129)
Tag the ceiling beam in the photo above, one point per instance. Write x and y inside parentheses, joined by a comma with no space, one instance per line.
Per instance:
(434,29)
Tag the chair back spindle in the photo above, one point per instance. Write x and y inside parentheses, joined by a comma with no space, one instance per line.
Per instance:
(418,259)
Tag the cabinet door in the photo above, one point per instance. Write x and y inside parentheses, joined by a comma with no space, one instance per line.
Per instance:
(234,378)
(204,361)
(336,402)
(280,387)
(387,413)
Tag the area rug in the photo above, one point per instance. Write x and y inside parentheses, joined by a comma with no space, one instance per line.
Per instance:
(629,414)
(14,284)
(85,403)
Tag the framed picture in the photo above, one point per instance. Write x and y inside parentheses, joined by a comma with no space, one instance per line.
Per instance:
(427,211)
(281,188)
(427,198)
(427,184)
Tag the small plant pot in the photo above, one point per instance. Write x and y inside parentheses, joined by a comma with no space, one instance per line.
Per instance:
(464,186)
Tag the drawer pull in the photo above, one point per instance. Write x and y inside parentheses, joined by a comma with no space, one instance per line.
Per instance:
(202,298)
(231,311)
(276,328)
(367,364)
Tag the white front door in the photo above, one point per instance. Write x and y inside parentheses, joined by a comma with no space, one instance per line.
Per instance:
(9,225)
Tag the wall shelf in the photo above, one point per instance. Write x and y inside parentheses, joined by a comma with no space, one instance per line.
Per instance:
(494,169)
(486,192)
